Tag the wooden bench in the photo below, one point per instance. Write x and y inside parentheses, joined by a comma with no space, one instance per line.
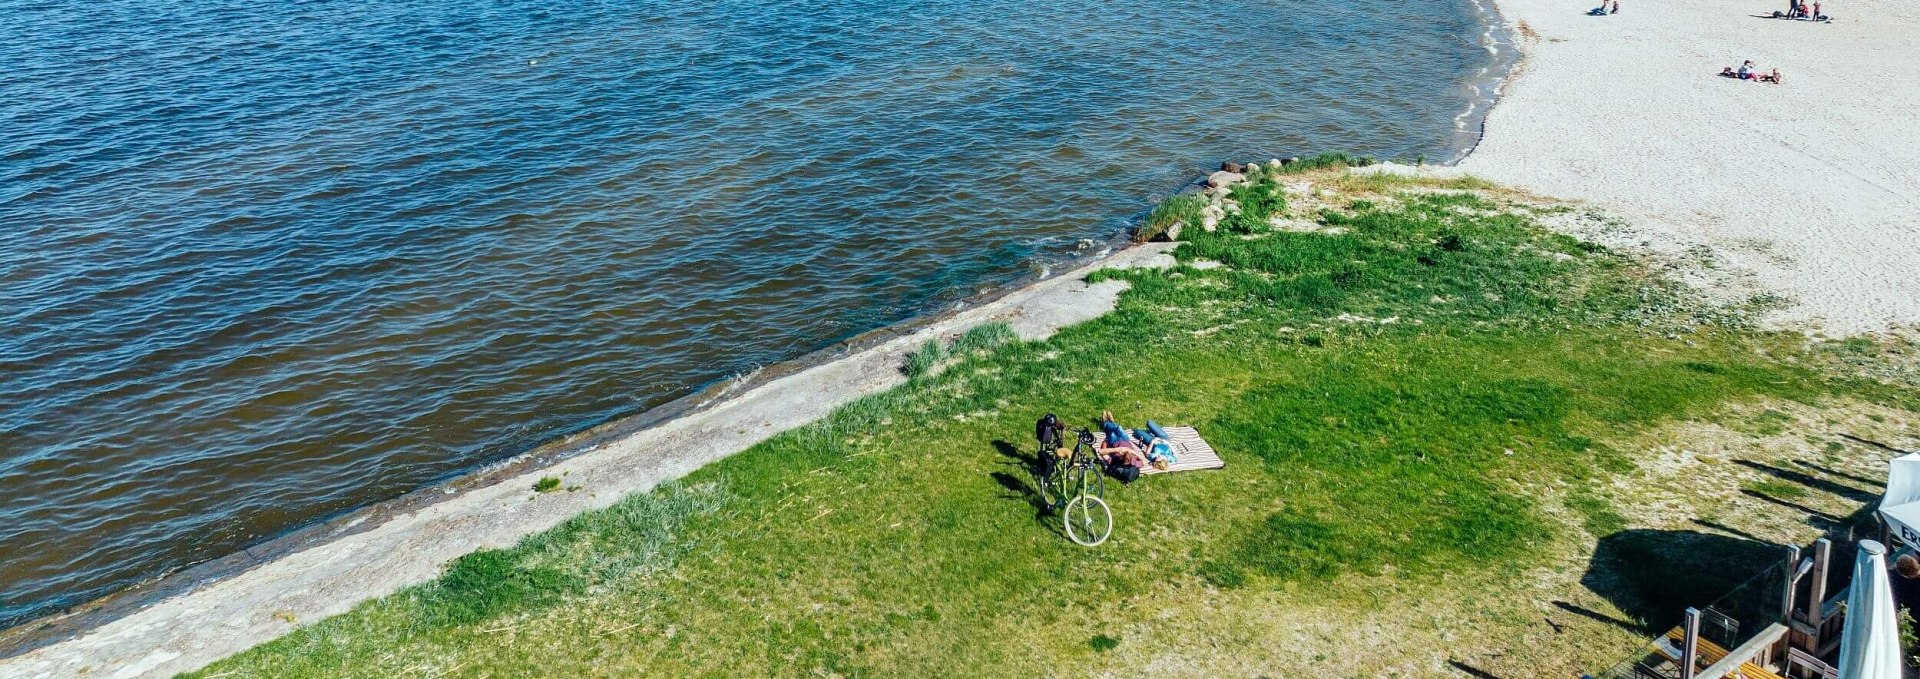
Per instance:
(1714,653)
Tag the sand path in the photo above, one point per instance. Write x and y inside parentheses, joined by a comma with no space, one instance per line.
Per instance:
(1814,185)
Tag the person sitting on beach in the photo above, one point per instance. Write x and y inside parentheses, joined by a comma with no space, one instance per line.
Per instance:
(1746,70)
(1773,78)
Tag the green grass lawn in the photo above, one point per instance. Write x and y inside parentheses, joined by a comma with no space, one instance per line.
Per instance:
(1394,393)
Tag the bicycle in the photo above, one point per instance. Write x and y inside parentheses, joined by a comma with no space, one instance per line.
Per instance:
(1077,489)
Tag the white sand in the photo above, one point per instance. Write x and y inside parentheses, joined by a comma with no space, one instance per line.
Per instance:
(1813,185)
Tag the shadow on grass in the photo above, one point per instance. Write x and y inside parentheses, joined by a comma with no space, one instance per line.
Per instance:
(1870,483)
(1811,481)
(1816,518)
(1014,453)
(1724,528)
(1021,485)
(1472,671)
(1596,616)
(1653,576)
(1022,490)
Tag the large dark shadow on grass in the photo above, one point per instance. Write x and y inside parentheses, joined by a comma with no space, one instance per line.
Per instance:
(1654,575)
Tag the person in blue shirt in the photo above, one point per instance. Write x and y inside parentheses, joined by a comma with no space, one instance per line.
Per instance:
(1119,448)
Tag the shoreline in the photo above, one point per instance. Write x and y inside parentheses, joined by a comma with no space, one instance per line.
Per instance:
(263,593)
(53,628)
(60,621)
(1502,44)
(38,636)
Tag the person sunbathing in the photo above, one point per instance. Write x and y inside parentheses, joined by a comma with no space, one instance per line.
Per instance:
(1118,449)
(1750,72)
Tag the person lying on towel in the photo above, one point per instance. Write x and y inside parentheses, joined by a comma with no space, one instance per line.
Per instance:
(1119,448)
(1138,448)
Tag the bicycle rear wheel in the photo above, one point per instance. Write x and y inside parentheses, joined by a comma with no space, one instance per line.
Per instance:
(1053,486)
(1088,520)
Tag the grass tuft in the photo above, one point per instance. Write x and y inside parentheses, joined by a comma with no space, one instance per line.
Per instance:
(1777,489)
(1325,161)
(922,361)
(984,337)
(1181,209)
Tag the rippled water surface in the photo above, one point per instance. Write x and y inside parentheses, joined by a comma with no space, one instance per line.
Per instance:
(265,262)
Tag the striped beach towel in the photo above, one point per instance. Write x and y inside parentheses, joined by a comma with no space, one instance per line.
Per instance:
(1191,451)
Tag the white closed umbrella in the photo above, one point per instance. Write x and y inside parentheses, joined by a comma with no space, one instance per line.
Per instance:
(1870,643)
(1901,505)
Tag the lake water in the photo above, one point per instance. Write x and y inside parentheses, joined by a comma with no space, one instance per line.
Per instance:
(262,263)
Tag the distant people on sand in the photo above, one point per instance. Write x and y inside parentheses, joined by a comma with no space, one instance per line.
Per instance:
(1801,10)
(1748,71)
(1604,9)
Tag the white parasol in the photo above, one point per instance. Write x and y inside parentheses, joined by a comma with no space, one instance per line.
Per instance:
(1870,643)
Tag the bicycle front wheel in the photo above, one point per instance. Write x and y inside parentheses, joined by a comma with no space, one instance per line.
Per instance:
(1088,520)
(1087,479)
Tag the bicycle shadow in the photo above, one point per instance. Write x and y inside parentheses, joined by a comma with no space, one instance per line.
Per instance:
(1021,486)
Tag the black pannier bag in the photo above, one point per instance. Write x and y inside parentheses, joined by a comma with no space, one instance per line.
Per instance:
(1051,435)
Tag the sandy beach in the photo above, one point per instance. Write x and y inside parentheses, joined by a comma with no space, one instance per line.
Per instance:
(1812,185)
